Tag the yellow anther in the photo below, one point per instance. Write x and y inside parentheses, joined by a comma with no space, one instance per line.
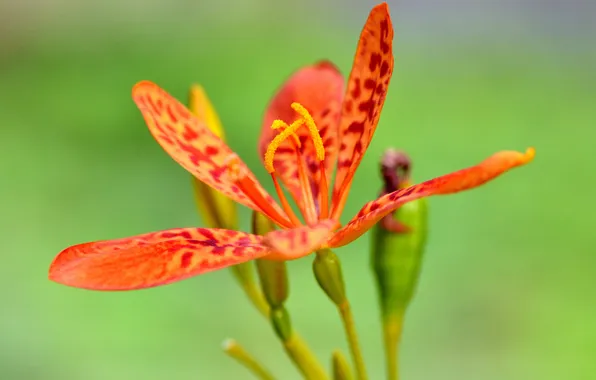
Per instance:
(290,130)
(280,124)
(312,127)
(276,142)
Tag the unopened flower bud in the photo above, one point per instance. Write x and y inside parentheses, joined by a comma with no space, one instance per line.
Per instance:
(398,240)
(327,269)
(272,274)
(280,319)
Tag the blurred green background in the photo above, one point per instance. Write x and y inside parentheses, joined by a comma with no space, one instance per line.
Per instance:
(507,290)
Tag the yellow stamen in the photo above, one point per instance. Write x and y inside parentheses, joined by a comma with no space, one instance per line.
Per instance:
(284,203)
(310,212)
(290,130)
(312,127)
(280,124)
(323,192)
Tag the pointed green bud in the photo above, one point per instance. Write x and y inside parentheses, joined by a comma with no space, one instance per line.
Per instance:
(280,319)
(274,281)
(341,368)
(398,240)
(327,269)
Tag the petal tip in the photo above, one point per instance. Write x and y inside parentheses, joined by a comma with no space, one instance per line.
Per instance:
(326,64)
(382,7)
(141,86)
(57,272)
(197,88)
(529,155)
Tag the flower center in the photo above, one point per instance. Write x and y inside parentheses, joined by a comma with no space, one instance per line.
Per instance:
(290,130)
(308,208)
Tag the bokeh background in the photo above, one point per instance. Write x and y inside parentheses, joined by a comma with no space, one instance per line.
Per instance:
(508,288)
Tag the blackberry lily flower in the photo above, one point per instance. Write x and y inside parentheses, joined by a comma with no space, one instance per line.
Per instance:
(327,126)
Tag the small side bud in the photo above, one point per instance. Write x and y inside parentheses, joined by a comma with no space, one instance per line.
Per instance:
(327,270)
(280,319)
(274,281)
(272,274)
(340,366)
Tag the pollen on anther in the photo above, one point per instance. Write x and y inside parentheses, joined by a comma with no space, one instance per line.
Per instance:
(288,131)
(312,127)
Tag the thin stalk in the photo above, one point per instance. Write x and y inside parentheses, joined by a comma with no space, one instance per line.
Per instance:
(392,329)
(341,368)
(303,358)
(350,327)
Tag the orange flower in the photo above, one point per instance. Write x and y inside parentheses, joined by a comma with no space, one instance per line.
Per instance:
(326,126)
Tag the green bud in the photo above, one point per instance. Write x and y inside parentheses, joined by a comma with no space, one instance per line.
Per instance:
(396,258)
(274,281)
(328,273)
(280,319)
(341,368)
(272,274)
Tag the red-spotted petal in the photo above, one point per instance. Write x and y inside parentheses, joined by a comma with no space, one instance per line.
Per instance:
(298,242)
(364,99)
(319,88)
(461,180)
(189,142)
(153,259)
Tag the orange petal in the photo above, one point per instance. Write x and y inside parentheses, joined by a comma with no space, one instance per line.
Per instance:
(319,88)
(367,87)
(153,259)
(464,179)
(190,143)
(298,242)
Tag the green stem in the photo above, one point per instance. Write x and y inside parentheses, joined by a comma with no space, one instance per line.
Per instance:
(348,321)
(341,368)
(303,358)
(392,329)
(236,351)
